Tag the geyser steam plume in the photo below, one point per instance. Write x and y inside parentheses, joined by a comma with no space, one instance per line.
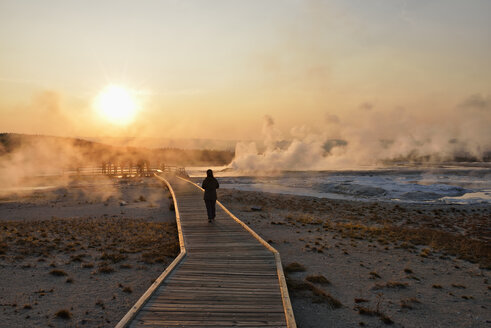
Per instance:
(373,138)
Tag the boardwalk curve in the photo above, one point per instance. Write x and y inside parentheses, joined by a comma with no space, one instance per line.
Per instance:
(226,275)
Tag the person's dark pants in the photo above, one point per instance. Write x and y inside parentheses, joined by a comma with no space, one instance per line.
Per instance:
(210,208)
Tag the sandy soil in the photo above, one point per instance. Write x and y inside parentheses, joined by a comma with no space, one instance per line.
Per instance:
(386,264)
(90,249)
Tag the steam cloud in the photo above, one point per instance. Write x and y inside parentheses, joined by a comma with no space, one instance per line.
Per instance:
(38,161)
(374,137)
(477,101)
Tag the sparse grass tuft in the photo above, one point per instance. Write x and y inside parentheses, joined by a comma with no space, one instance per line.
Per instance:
(70,236)
(318,295)
(391,284)
(369,312)
(63,314)
(321,296)
(320,279)
(113,257)
(470,249)
(77,258)
(360,300)
(386,319)
(303,219)
(104,268)
(294,267)
(365,311)
(157,255)
(374,275)
(57,272)
(408,303)
(396,284)
(3,248)
(425,252)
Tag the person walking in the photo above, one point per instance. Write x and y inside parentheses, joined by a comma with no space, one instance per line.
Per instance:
(210,185)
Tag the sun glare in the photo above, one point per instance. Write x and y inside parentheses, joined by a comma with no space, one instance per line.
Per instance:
(117,104)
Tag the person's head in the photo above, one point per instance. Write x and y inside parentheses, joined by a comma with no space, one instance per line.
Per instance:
(209,173)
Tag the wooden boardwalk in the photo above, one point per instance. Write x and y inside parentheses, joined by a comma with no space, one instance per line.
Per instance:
(225,276)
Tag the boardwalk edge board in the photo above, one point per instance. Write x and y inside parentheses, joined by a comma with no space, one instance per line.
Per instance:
(126,320)
(287,306)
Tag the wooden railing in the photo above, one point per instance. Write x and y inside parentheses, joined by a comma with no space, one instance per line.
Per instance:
(124,171)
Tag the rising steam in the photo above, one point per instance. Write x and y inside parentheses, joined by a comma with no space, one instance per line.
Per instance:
(373,138)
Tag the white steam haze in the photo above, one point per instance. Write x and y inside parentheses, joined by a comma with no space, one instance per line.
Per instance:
(370,137)
(40,162)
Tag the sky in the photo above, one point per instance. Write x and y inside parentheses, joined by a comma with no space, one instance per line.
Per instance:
(220,69)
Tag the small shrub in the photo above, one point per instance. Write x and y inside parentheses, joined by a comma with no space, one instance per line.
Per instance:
(87,265)
(127,289)
(436,286)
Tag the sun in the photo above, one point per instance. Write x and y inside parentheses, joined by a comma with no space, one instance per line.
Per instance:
(117,104)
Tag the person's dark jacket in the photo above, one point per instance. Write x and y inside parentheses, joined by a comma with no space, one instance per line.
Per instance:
(210,185)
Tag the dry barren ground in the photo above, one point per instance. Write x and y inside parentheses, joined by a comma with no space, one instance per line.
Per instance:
(82,256)
(376,264)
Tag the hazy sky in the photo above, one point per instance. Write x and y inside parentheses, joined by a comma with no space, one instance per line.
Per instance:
(214,69)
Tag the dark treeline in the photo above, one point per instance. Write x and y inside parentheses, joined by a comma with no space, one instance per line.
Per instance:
(80,152)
